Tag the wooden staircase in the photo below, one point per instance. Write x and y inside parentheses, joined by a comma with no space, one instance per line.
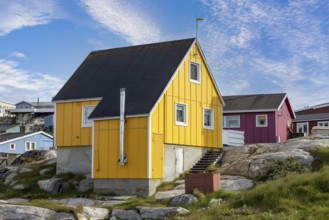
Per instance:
(210,157)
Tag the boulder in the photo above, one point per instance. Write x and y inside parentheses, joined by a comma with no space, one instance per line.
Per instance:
(252,160)
(63,215)
(183,200)
(19,186)
(169,194)
(235,183)
(53,185)
(126,214)
(85,185)
(95,213)
(160,212)
(10,178)
(25,212)
(39,156)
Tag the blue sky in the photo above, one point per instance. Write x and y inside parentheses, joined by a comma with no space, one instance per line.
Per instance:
(251,46)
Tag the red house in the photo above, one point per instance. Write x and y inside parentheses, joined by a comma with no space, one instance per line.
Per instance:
(265,118)
(309,117)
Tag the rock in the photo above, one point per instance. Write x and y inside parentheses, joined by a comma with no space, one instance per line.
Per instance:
(252,160)
(54,185)
(235,183)
(86,202)
(169,194)
(118,197)
(81,216)
(160,212)
(181,186)
(63,215)
(126,214)
(183,200)
(113,218)
(17,200)
(85,185)
(19,186)
(9,179)
(25,212)
(44,171)
(215,202)
(40,156)
(95,213)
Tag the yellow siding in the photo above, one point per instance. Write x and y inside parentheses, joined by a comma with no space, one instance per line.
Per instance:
(69,131)
(196,97)
(107,148)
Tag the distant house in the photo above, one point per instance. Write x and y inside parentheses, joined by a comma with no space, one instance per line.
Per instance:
(265,118)
(172,115)
(15,144)
(309,117)
(27,111)
(5,108)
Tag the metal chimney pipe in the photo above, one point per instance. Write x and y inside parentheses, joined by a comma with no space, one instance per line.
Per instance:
(122,160)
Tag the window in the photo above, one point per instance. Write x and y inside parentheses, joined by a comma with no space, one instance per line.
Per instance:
(86,111)
(195,72)
(181,115)
(208,118)
(302,128)
(29,145)
(261,120)
(12,146)
(232,121)
(323,123)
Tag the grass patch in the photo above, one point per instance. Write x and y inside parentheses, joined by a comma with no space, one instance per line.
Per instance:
(166,186)
(297,196)
(43,203)
(133,202)
(321,158)
(282,168)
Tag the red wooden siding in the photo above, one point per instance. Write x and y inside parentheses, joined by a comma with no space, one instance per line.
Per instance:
(255,134)
(283,117)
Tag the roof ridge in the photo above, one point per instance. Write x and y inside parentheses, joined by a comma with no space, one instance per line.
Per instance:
(140,45)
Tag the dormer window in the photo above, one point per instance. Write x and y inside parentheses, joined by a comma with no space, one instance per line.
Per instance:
(195,75)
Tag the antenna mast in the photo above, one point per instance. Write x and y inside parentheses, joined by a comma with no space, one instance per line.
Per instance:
(197,25)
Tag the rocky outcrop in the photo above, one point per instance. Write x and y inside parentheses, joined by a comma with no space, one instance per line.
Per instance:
(38,155)
(126,214)
(86,202)
(53,185)
(30,212)
(251,160)
(160,212)
(184,199)
(95,213)
(235,183)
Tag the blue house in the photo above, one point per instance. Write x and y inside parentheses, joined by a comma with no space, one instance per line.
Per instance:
(15,144)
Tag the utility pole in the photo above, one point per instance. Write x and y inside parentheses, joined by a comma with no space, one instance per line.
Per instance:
(197,24)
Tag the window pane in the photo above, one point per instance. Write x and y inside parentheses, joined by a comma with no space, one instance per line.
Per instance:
(194,72)
(207,118)
(261,120)
(181,113)
(86,113)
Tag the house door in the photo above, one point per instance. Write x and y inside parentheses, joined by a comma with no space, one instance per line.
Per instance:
(302,128)
(179,161)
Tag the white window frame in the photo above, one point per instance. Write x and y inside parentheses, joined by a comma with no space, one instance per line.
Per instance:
(14,148)
(211,126)
(301,124)
(184,112)
(85,122)
(198,81)
(227,118)
(257,121)
(30,145)
(323,122)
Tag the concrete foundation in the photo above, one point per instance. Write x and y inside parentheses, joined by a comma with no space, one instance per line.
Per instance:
(191,155)
(123,187)
(76,160)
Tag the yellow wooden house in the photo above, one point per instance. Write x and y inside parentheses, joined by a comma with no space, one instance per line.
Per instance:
(170,115)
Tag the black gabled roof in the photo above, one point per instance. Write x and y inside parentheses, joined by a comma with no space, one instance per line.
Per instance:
(143,70)
(253,102)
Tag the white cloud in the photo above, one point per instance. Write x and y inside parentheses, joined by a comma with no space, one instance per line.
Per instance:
(15,81)
(129,22)
(17,54)
(17,14)
(285,45)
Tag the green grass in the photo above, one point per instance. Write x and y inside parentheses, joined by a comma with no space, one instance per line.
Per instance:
(299,196)
(133,202)
(321,157)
